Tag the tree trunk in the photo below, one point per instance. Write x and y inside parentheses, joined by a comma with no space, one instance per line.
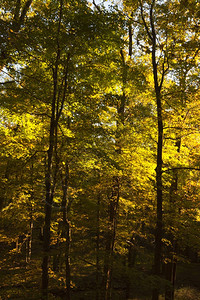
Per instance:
(29,243)
(97,248)
(159,188)
(46,249)
(49,191)
(30,234)
(57,256)
(67,260)
(49,178)
(110,240)
(132,254)
(114,199)
(66,230)
(170,274)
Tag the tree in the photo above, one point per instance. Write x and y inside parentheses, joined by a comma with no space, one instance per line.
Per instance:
(99,139)
(13,18)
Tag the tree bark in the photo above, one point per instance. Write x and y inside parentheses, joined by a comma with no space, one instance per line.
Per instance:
(170,267)
(110,240)
(159,162)
(114,199)
(132,254)
(130,33)
(49,184)
(66,230)
(30,234)
(49,191)
(97,247)
(29,243)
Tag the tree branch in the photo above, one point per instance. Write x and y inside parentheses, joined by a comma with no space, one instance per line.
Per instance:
(181,168)
(65,89)
(96,6)
(24,11)
(17,10)
(144,21)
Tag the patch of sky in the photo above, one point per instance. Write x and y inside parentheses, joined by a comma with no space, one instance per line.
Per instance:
(106,3)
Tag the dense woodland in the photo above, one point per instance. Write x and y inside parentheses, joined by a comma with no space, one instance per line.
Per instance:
(100,145)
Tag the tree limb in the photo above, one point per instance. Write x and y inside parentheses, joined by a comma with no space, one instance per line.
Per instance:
(181,168)
(144,21)
(96,6)
(25,10)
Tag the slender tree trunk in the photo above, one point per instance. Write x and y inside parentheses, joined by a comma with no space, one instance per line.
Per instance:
(49,193)
(132,253)
(159,187)
(159,215)
(97,248)
(57,256)
(114,199)
(46,247)
(49,181)
(29,243)
(30,234)
(170,274)
(66,230)
(110,240)
(171,265)
(159,224)
(151,33)
(67,260)
(130,33)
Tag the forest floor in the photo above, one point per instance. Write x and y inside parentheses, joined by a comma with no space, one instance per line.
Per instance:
(21,280)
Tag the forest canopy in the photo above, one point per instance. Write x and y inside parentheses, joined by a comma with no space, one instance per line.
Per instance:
(100,143)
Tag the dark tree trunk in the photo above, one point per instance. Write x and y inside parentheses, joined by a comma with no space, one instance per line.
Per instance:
(57,255)
(50,178)
(30,234)
(29,243)
(130,33)
(170,275)
(170,268)
(97,248)
(110,239)
(49,191)
(66,230)
(67,260)
(132,254)
(114,199)
(159,189)
(159,223)
(46,249)
(56,262)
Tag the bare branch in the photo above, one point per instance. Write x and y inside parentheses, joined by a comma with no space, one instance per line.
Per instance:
(6,82)
(25,10)
(164,71)
(152,23)
(130,30)
(96,6)
(181,168)
(144,21)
